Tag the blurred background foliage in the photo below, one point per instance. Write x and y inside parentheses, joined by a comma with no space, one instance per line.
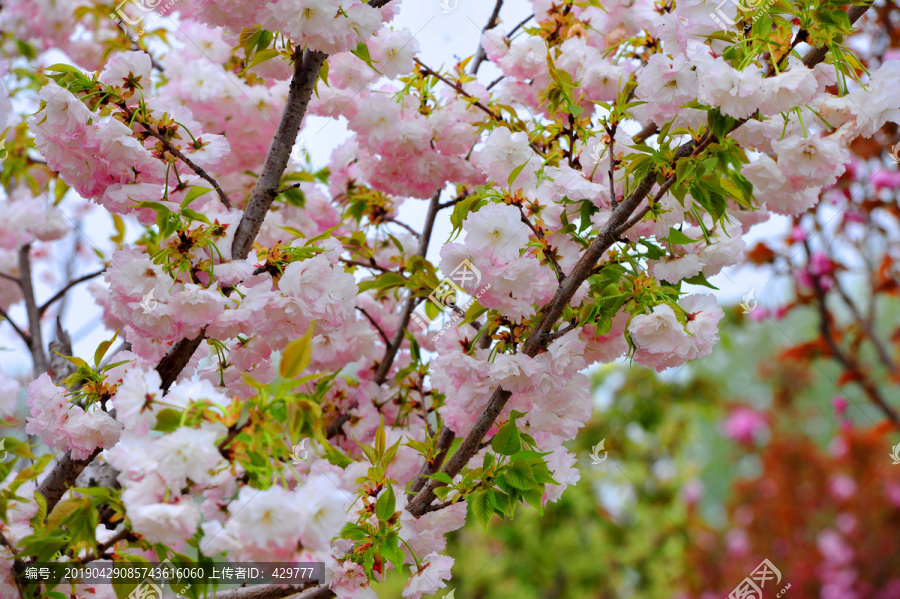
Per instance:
(753,452)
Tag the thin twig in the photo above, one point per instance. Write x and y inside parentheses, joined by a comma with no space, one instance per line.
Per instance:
(374,324)
(612,165)
(883,354)
(520,25)
(844,359)
(394,346)
(371,265)
(68,286)
(493,21)
(560,275)
(16,328)
(11,278)
(178,154)
(404,225)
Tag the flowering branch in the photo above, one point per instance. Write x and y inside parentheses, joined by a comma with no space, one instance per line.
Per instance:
(179,154)
(541,335)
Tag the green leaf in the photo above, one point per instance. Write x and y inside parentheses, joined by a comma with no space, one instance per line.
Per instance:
(386,504)
(103,348)
(362,51)
(678,238)
(193,194)
(354,532)
(506,441)
(64,509)
(520,476)
(383,281)
(167,420)
(297,355)
(390,550)
(194,215)
(442,477)
(262,56)
(700,279)
(515,173)
(480,505)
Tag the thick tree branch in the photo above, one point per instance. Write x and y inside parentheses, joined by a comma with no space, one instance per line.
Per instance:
(445,440)
(36,344)
(18,564)
(307,65)
(64,473)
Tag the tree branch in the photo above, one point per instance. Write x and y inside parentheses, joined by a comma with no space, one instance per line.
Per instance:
(11,278)
(493,21)
(64,473)
(16,328)
(404,225)
(375,324)
(307,65)
(883,354)
(36,343)
(271,592)
(394,346)
(180,155)
(848,362)
(542,333)
(18,564)
(445,440)
(560,275)
(59,294)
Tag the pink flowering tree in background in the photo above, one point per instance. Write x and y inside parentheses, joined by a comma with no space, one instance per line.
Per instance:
(259,307)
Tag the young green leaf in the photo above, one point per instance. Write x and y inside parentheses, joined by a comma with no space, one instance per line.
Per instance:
(297,355)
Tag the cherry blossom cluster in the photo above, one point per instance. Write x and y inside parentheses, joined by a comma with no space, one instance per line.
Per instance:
(622,156)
